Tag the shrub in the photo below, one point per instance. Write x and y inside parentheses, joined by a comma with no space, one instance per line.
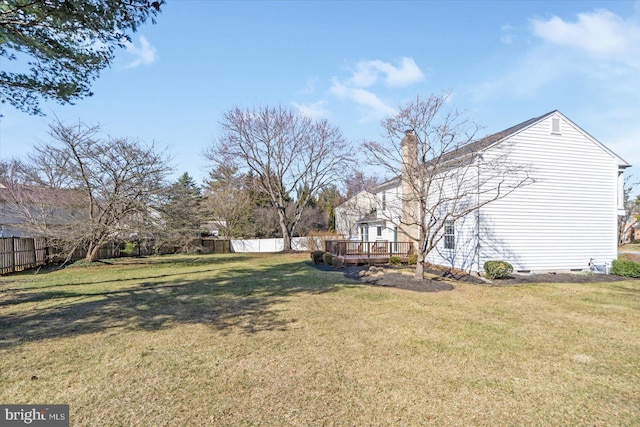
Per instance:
(338,262)
(625,268)
(395,261)
(316,256)
(413,259)
(327,258)
(130,249)
(497,269)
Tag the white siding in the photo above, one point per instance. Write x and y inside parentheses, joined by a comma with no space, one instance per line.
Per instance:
(565,218)
(350,211)
(464,256)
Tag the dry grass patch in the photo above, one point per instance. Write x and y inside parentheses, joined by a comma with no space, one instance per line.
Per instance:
(268,340)
(630,247)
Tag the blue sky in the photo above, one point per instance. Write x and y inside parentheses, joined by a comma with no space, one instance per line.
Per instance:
(355,62)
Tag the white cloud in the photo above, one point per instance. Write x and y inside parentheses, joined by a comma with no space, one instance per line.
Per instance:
(376,108)
(601,34)
(315,110)
(367,73)
(144,54)
(598,50)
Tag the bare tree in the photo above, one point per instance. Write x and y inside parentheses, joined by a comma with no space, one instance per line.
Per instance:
(286,152)
(110,187)
(445,173)
(631,210)
(358,181)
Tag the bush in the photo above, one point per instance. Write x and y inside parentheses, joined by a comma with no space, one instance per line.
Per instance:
(316,256)
(395,261)
(338,262)
(497,269)
(625,268)
(413,259)
(130,249)
(327,258)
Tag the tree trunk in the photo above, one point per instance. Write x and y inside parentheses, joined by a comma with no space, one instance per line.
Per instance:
(92,252)
(419,275)
(286,236)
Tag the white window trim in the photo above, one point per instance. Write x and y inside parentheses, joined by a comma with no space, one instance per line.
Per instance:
(449,235)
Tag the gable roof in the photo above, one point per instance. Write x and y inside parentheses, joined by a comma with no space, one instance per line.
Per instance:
(363,194)
(45,196)
(487,141)
(495,138)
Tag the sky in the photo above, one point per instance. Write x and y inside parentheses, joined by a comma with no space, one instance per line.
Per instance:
(355,63)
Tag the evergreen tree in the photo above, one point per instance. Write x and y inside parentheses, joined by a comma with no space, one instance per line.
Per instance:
(60,46)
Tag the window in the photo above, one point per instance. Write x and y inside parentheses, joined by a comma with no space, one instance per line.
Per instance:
(379,231)
(449,235)
(555,125)
(384,201)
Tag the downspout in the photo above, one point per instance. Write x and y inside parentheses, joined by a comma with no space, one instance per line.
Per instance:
(477,249)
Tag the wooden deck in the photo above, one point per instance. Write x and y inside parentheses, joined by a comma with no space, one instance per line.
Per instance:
(369,252)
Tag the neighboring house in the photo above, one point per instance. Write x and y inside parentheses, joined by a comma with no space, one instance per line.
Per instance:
(633,234)
(10,221)
(27,211)
(213,227)
(350,213)
(561,221)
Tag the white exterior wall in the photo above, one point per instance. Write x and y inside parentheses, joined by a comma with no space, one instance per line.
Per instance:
(390,212)
(350,211)
(566,217)
(465,254)
(560,222)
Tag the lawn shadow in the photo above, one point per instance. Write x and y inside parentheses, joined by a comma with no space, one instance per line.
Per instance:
(242,299)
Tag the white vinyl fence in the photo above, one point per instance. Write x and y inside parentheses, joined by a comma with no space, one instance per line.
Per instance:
(268,245)
(277,245)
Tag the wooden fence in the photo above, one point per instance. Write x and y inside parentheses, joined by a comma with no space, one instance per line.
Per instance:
(22,253)
(216,246)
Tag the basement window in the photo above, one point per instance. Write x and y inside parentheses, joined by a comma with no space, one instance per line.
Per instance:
(449,235)
(555,125)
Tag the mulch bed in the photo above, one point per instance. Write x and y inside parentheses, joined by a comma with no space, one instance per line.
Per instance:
(392,277)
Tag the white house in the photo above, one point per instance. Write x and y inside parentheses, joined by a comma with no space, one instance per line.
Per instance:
(565,217)
(351,212)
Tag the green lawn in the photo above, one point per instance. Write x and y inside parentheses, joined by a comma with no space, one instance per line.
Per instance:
(269,340)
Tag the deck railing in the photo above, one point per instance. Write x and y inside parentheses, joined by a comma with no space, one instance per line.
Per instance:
(381,248)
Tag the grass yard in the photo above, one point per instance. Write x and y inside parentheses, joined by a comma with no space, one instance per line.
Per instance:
(269,340)
(630,247)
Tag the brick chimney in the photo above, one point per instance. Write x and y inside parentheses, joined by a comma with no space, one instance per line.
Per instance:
(408,228)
